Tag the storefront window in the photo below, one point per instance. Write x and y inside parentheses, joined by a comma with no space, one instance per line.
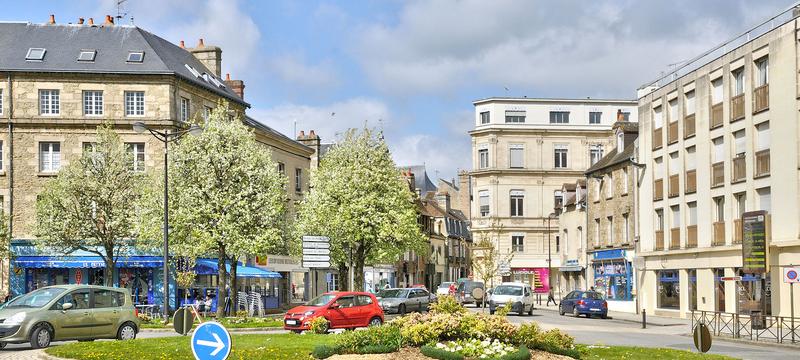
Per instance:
(692,289)
(96,277)
(612,278)
(40,278)
(720,289)
(754,294)
(668,289)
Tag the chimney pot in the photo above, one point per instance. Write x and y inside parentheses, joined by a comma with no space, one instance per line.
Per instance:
(200,43)
(302,134)
(80,21)
(183,45)
(91,21)
(228,77)
(312,134)
(620,117)
(109,20)
(52,19)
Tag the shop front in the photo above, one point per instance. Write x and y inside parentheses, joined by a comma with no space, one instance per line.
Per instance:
(255,287)
(572,276)
(537,277)
(613,277)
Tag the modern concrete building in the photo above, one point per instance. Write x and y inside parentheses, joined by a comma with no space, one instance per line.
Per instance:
(523,151)
(706,137)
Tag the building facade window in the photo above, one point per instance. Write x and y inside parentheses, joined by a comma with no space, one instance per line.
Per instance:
(184,109)
(137,153)
(517,203)
(1,156)
(692,209)
(483,158)
(762,75)
(518,243)
(625,180)
(207,112)
(1,101)
(595,154)
(560,156)
(595,117)
(515,117)
(764,199)
(739,144)
(716,91)
(558,199)
(485,118)
(738,81)
(673,110)
(741,204)
(658,119)
(49,102)
(659,219)
(609,185)
(92,102)
(516,154)
(689,106)
(282,168)
(483,198)
(626,116)
(762,136)
(676,216)
(668,289)
(625,230)
(49,156)
(719,209)
(559,117)
(610,230)
(134,103)
(298,180)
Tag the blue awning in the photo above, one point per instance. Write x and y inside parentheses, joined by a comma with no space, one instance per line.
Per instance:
(609,254)
(210,267)
(85,262)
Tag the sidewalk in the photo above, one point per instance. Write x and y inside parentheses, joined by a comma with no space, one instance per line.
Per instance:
(652,320)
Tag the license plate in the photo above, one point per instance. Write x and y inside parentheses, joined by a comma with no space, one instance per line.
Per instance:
(291,322)
(594,309)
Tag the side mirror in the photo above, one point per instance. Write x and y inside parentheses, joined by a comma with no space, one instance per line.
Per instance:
(66,306)
(335,306)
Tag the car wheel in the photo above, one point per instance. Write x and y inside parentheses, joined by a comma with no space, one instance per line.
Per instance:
(40,337)
(297,331)
(126,332)
(491,312)
(530,311)
(575,312)
(560,311)
(401,309)
(604,316)
(376,321)
(2,345)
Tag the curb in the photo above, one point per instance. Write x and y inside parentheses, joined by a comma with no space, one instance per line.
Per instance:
(765,344)
(233,330)
(610,317)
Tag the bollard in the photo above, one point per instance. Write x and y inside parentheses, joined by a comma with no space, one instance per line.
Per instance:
(644,319)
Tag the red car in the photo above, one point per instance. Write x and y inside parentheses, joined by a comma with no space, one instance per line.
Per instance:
(343,310)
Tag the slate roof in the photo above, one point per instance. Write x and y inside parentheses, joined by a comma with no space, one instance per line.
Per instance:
(421,179)
(259,125)
(112,43)
(613,158)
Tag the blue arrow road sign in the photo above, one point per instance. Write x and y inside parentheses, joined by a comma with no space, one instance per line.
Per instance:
(211,341)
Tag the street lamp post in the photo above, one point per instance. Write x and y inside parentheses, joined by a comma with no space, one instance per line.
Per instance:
(549,253)
(166,137)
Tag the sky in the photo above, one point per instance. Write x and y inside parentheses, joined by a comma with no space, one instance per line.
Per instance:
(413,68)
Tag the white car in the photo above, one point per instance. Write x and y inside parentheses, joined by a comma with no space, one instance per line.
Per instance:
(443,289)
(519,295)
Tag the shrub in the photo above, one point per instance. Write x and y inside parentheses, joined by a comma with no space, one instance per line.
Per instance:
(145,318)
(522,353)
(526,333)
(552,341)
(241,313)
(440,354)
(420,334)
(388,338)
(324,351)
(558,339)
(503,311)
(318,325)
(447,304)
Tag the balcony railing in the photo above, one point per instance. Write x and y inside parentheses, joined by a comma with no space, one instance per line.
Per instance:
(658,189)
(739,169)
(691,236)
(716,116)
(718,174)
(672,133)
(658,138)
(674,185)
(737,107)
(674,238)
(690,184)
(762,163)
(761,98)
(688,126)
(659,240)
(737,231)
(719,233)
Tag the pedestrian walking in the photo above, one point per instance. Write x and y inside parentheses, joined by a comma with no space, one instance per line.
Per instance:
(550,298)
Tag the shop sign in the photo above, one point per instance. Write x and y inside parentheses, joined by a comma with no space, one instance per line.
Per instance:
(571,262)
(78,276)
(754,242)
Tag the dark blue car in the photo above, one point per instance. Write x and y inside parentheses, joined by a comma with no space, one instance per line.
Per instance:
(584,303)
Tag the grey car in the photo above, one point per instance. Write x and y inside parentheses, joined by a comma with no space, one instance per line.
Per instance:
(401,301)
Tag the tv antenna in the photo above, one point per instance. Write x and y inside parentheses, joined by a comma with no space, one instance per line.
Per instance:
(121,11)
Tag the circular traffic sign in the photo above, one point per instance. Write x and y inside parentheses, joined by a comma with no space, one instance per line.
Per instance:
(791,274)
(211,341)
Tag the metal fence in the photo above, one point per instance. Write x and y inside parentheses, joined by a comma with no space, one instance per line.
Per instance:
(779,329)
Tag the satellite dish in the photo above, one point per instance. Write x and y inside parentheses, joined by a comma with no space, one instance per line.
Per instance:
(639,263)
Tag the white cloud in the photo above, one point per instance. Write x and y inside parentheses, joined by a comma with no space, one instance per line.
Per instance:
(294,70)
(442,156)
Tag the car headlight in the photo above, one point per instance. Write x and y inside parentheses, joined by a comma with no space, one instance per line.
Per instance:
(15,319)
(308,313)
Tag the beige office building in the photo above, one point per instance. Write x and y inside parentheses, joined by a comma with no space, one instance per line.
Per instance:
(707,135)
(523,151)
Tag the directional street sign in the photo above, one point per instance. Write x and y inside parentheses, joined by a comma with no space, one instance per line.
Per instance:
(316,251)
(316,264)
(211,341)
(309,258)
(309,238)
(316,245)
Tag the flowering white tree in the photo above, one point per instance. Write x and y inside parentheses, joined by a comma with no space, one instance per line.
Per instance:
(226,196)
(359,199)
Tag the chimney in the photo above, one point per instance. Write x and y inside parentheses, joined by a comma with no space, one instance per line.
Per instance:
(52,20)
(302,135)
(80,21)
(620,116)
(109,21)
(236,86)
(443,198)
(91,21)
(183,45)
(210,56)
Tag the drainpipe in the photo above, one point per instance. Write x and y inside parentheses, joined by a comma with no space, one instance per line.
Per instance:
(9,168)
(636,245)
(586,236)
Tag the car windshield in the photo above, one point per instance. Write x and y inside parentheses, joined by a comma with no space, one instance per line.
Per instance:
(321,300)
(508,290)
(393,293)
(593,296)
(35,299)
(445,285)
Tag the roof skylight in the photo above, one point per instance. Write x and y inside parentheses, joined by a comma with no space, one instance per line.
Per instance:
(87,55)
(136,56)
(35,54)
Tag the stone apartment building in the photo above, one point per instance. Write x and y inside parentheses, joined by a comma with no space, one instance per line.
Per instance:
(59,82)
(611,218)
(707,134)
(524,150)
(572,234)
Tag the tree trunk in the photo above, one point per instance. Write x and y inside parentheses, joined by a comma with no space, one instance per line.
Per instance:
(358,268)
(343,277)
(108,272)
(234,286)
(222,275)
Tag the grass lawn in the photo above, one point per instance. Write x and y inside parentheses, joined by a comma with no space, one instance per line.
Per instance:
(230,323)
(245,347)
(624,352)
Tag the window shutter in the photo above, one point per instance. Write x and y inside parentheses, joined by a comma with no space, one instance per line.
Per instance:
(763,136)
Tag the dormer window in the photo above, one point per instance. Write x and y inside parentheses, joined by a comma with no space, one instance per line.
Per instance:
(87,55)
(620,142)
(135,57)
(35,54)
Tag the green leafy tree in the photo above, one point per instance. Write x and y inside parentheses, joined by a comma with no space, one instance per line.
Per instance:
(92,203)
(227,198)
(359,199)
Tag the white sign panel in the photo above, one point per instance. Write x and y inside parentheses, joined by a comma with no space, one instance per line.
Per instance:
(316,264)
(312,258)
(791,275)
(309,238)
(316,251)
(316,245)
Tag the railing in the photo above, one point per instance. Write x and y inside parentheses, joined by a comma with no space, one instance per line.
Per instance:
(658,189)
(739,169)
(778,329)
(659,240)
(690,184)
(658,138)
(737,107)
(691,236)
(761,98)
(737,231)
(674,238)
(716,116)
(762,163)
(688,126)
(674,186)
(719,233)
(718,174)
(672,132)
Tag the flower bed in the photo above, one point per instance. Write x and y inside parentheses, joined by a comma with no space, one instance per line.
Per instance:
(476,349)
